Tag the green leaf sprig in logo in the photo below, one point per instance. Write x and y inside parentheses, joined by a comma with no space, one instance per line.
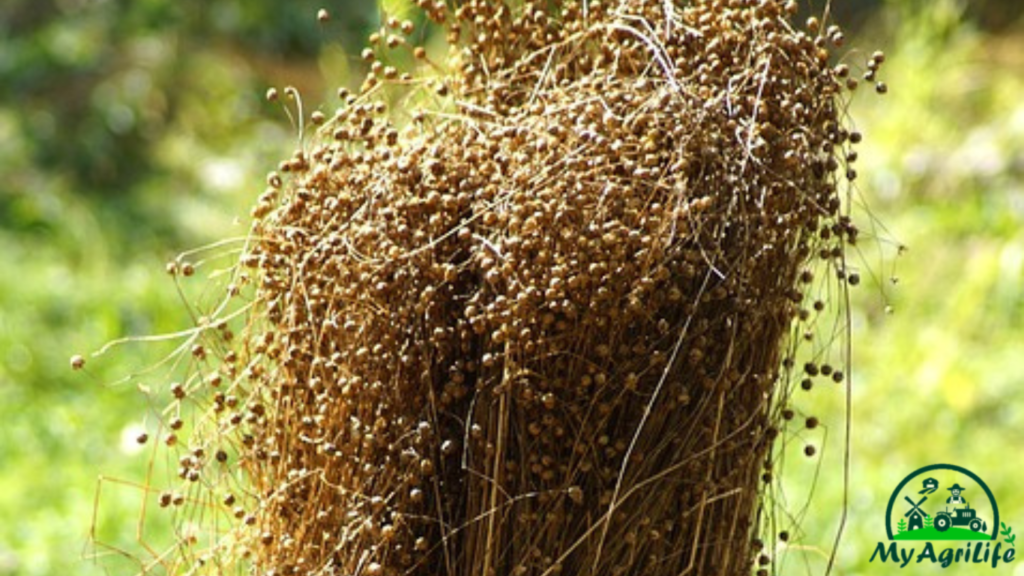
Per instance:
(1006,531)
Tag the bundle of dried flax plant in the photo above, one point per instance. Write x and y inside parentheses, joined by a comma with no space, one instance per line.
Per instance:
(541,329)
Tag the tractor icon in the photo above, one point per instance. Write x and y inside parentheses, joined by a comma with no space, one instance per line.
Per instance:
(959,517)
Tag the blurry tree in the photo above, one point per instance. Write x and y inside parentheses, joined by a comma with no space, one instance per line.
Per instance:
(96,83)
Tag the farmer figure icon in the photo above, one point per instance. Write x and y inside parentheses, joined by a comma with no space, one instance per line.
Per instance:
(956,498)
(965,516)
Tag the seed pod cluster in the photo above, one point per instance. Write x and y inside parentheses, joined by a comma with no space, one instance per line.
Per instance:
(539,329)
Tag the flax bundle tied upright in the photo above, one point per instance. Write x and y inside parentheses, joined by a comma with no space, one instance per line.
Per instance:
(539,331)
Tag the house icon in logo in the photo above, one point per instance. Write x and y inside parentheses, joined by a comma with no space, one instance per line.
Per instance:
(915,517)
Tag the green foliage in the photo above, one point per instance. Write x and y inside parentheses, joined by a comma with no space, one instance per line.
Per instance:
(902,526)
(98,84)
(128,131)
(936,327)
(66,290)
(928,521)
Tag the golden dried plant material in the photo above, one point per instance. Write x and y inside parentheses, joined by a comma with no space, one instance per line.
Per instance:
(542,328)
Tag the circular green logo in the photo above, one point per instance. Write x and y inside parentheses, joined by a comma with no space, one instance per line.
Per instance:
(952,515)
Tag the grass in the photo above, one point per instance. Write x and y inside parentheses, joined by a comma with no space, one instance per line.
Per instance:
(61,430)
(951,533)
(81,269)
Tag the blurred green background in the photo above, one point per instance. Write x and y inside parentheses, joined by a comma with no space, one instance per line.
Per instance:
(130,131)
